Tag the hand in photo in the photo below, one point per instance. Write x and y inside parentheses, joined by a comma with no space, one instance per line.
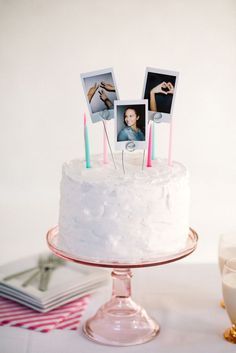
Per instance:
(170,88)
(163,88)
(107,86)
(92,91)
(105,99)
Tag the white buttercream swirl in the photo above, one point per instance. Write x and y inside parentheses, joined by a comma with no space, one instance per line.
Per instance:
(106,214)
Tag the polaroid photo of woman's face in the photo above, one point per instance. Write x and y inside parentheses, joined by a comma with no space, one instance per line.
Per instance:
(160,89)
(100,92)
(131,119)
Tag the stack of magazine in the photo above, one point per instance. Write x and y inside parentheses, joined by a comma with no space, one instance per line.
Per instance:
(45,282)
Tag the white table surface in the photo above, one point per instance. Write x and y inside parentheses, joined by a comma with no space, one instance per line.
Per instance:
(183,298)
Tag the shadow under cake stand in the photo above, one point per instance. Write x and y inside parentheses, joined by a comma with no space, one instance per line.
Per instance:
(120,321)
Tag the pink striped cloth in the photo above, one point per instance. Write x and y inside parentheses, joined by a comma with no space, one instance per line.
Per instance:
(67,316)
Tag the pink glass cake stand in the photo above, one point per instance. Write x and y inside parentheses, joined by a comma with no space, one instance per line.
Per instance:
(120,321)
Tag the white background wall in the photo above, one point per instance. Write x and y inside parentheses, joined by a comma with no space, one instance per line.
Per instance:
(46,44)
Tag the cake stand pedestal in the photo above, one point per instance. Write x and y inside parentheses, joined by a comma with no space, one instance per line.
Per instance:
(120,321)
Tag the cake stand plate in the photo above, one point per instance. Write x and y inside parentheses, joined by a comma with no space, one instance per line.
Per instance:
(120,321)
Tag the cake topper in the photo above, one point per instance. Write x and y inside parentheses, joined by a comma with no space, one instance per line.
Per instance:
(123,160)
(107,138)
(131,124)
(160,89)
(131,117)
(101,92)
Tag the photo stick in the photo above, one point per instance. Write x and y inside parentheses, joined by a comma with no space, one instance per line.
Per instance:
(100,92)
(160,90)
(131,119)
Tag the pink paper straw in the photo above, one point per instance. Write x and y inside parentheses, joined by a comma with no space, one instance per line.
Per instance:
(149,156)
(170,144)
(105,150)
(154,141)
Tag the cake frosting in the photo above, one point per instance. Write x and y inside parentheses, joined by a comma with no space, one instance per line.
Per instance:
(106,214)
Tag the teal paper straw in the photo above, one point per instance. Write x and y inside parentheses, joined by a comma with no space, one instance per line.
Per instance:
(86,143)
(87,150)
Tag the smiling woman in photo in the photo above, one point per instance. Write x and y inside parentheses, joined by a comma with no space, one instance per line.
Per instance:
(133,129)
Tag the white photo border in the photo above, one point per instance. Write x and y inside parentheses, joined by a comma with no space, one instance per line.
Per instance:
(161,116)
(122,145)
(96,117)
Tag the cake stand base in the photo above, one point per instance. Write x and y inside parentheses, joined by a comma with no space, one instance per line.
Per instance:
(121,322)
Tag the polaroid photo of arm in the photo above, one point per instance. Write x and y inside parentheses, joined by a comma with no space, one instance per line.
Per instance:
(100,92)
(160,90)
(131,124)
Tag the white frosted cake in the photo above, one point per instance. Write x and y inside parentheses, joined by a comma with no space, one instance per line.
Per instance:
(108,215)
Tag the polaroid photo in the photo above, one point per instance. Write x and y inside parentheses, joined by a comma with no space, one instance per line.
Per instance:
(160,89)
(100,91)
(131,124)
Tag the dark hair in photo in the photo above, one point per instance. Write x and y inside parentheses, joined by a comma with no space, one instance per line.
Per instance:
(139,110)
